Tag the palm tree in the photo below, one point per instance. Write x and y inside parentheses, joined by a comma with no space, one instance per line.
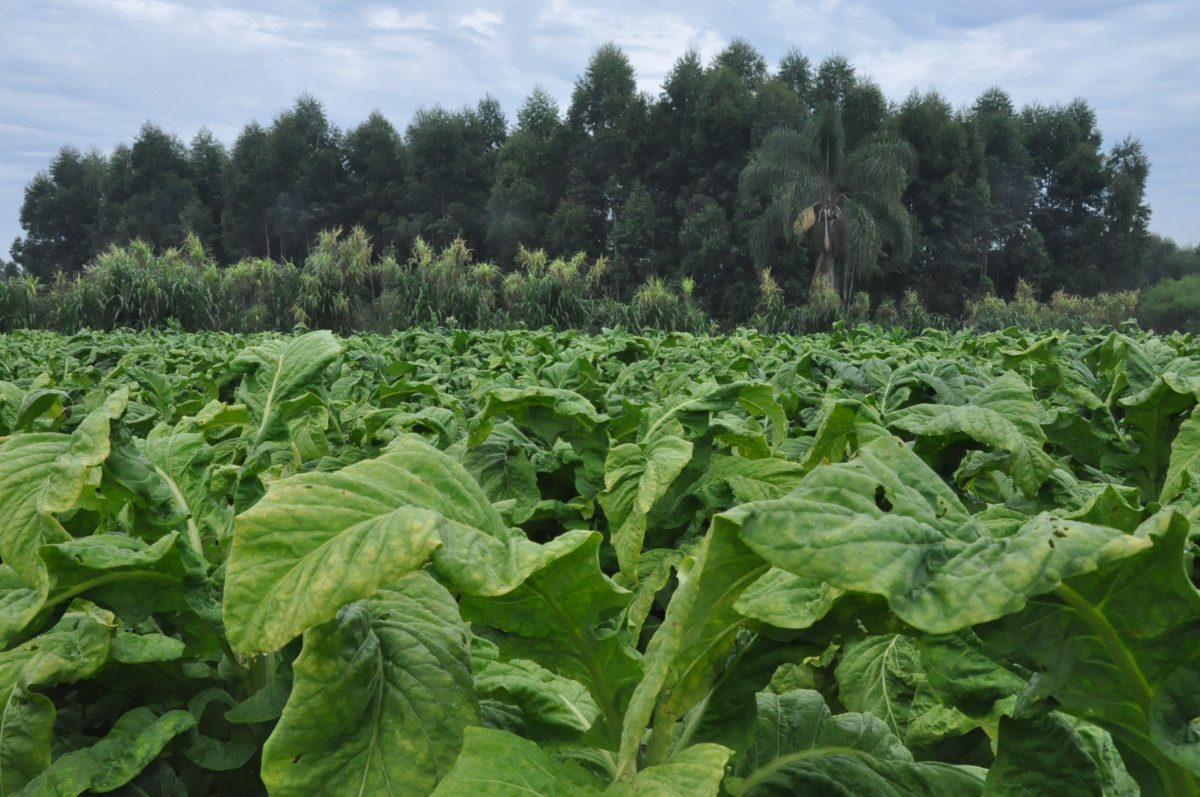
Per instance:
(848,203)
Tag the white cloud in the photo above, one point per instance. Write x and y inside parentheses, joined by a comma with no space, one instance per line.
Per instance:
(86,72)
(653,40)
(483,22)
(142,10)
(394,19)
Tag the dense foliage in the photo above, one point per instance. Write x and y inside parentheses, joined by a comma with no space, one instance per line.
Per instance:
(344,286)
(556,564)
(707,180)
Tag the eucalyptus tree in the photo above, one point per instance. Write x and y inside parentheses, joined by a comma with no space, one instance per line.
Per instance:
(948,200)
(1011,248)
(530,177)
(150,191)
(307,172)
(452,166)
(207,160)
(60,214)
(848,203)
(605,111)
(377,167)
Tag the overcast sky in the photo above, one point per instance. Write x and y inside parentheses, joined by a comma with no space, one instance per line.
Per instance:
(90,72)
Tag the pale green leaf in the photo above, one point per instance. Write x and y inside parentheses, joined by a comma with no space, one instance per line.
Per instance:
(381,697)
(885,523)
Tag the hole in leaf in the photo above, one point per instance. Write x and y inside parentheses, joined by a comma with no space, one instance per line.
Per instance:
(296,760)
(881,499)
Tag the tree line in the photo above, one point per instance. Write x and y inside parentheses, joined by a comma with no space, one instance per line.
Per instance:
(731,169)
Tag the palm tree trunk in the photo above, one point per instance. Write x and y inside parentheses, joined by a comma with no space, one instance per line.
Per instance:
(823,278)
(824,272)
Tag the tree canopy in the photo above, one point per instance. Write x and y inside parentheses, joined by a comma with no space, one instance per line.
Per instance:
(708,179)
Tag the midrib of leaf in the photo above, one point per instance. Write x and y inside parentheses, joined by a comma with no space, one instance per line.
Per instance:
(362,788)
(1177,780)
(571,706)
(782,762)
(108,578)
(738,587)
(1108,637)
(4,733)
(262,427)
(605,695)
(193,532)
(883,666)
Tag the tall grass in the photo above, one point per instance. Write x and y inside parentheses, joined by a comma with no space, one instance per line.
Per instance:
(344,285)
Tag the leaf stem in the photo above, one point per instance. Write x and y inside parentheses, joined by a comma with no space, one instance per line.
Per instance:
(193,532)
(784,761)
(603,692)
(108,578)
(658,746)
(1111,641)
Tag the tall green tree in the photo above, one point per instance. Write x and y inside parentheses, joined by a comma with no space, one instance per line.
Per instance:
(150,191)
(376,171)
(307,173)
(452,158)
(947,198)
(248,224)
(207,162)
(795,70)
(1067,164)
(530,177)
(849,203)
(605,108)
(1126,216)
(743,60)
(60,214)
(1012,248)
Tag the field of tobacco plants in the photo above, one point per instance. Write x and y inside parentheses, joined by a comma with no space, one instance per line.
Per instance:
(524,563)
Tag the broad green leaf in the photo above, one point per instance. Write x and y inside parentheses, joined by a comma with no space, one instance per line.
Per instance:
(885,523)
(800,747)
(1153,416)
(184,461)
(1175,716)
(19,604)
(558,618)
(884,676)
(733,480)
(74,649)
(785,600)
(635,477)
(1003,416)
(501,764)
(549,412)
(278,370)
(1053,754)
(1114,648)
(655,568)
(381,697)
(502,468)
(965,674)
(131,648)
(696,771)
(43,474)
(318,541)
(695,639)
(1185,459)
(136,739)
(235,747)
(835,433)
(542,696)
